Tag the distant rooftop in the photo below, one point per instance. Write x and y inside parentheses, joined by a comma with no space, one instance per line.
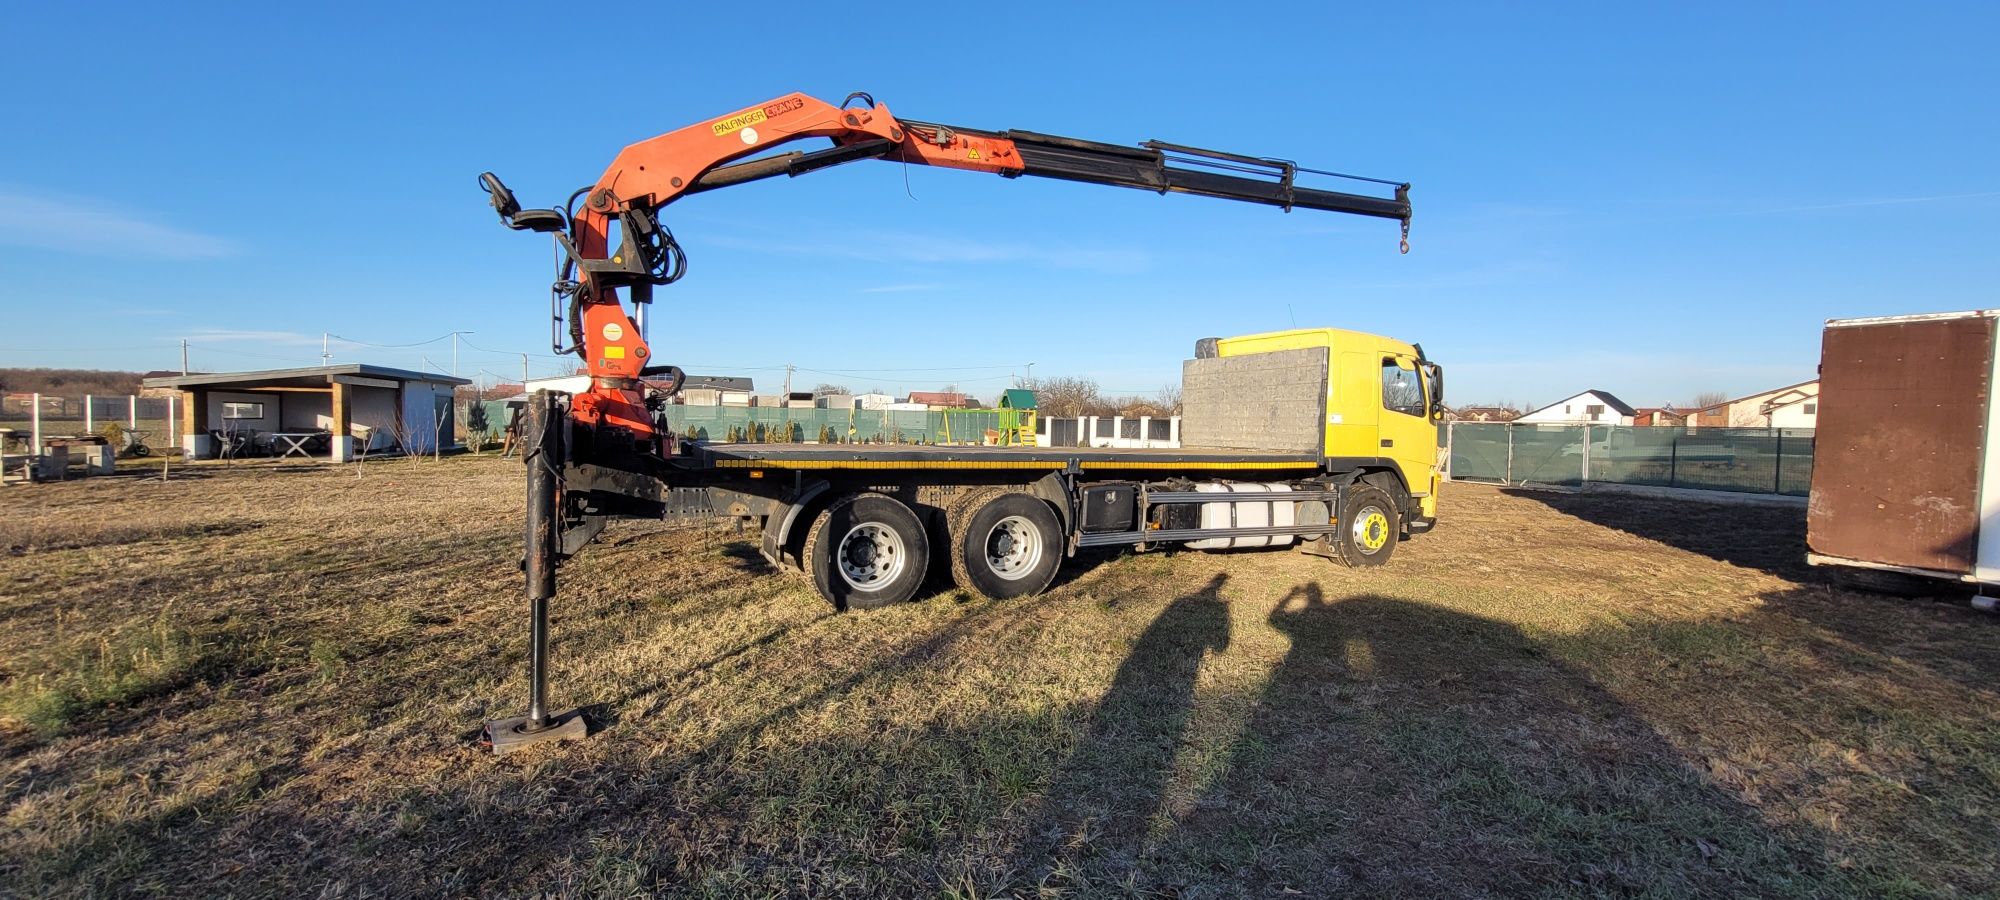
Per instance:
(308,375)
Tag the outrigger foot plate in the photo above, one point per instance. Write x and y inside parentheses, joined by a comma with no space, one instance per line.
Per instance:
(509,735)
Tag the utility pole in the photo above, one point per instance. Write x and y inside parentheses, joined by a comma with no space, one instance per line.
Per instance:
(524,371)
(454,351)
(1031,376)
(184,356)
(788,381)
(325,355)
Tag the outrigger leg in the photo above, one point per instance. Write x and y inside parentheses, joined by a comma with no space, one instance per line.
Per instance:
(544,449)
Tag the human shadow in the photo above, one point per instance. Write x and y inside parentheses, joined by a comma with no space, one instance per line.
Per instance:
(1103,799)
(1770,538)
(1859,627)
(1404,749)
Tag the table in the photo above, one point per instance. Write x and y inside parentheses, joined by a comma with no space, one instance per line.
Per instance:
(302,443)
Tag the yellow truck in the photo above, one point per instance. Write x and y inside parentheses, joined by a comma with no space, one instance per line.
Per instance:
(1317,439)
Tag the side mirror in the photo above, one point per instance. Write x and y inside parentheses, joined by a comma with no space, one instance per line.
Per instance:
(1436,374)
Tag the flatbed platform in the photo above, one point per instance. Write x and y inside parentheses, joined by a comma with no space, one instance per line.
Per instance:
(921,457)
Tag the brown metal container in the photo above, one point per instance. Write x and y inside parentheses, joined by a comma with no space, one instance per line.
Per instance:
(1901,448)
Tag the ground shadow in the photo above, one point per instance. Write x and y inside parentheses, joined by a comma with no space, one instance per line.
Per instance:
(1109,790)
(1771,538)
(1404,749)
(1937,634)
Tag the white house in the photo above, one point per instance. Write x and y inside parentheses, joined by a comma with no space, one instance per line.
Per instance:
(1800,411)
(1592,407)
(873,401)
(1791,406)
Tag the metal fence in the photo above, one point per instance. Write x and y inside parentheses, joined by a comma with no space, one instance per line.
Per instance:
(1754,460)
(53,415)
(893,426)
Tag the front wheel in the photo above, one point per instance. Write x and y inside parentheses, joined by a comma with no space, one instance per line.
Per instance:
(867,551)
(1004,545)
(1370,524)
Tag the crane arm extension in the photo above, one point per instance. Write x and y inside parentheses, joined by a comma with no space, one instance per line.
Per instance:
(653,173)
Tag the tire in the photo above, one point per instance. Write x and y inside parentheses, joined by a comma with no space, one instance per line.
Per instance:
(142,451)
(1371,523)
(867,551)
(1004,545)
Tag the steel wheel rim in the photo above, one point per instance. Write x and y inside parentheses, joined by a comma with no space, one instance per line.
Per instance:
(870,556)
(1013,548)
(1370,529)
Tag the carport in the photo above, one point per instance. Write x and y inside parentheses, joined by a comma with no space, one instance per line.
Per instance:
(328,411)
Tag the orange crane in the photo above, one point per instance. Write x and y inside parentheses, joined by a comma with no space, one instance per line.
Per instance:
(607,452)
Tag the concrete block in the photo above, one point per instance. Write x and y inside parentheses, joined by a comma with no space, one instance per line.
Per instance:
(1264,401)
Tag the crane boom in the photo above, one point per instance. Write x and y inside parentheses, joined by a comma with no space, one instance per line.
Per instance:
(721,152)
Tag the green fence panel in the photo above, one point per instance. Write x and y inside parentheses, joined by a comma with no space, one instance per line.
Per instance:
(1755,460)
(1795,461)
(1633,455)
(1478,451)
(906,426)
(1548,454)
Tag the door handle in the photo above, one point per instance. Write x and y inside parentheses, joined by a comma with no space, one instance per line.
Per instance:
(1388,442)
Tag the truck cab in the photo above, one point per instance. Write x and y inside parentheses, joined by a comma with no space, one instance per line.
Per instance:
(1367,404)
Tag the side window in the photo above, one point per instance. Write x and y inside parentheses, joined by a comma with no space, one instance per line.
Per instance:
(1402,390)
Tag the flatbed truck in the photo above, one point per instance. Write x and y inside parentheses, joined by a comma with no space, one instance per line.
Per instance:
(1320,439)
(1317,438)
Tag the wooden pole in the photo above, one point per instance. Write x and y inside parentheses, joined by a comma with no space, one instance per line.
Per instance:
(343,427)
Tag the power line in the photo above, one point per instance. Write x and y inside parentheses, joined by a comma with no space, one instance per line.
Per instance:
(348,340)
(474,346)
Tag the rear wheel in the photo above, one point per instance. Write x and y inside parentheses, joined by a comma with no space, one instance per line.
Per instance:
(1370,524)
(866,552)
(1004,545)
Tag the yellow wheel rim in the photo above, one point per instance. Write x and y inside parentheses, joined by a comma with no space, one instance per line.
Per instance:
(1371,530)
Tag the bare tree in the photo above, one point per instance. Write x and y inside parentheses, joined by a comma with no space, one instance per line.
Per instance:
(1067,398)
(1168,400)
(1706,399)
(822,389)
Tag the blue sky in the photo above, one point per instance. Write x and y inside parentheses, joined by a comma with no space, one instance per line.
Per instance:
(1657,202)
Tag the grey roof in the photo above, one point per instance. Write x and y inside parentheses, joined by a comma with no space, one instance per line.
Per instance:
(717,383)
(317,374)
(1610,399)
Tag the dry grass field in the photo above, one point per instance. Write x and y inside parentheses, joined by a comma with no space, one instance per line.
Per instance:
(263,680)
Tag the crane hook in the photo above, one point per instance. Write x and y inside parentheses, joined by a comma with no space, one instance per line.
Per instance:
(1404,244)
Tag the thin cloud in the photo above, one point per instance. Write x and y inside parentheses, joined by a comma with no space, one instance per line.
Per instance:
(233,335)
(902,288)
(910,247)
(1887,201)
(81,225)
